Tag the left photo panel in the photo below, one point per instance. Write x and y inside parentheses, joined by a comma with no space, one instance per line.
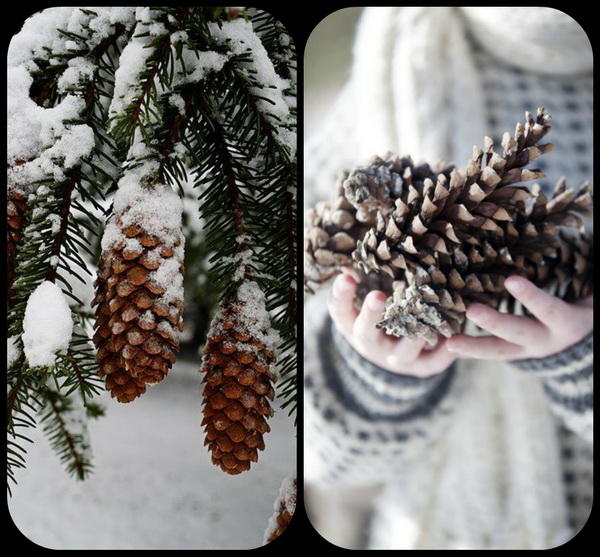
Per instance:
(151,278)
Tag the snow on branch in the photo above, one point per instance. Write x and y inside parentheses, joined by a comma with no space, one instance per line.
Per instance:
(48,141)
(47,325)
(268,87)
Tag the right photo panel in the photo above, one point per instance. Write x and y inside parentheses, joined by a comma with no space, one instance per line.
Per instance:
(448,308)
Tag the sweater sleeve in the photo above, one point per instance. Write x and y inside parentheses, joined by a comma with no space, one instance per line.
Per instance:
(567,378)
(362,422)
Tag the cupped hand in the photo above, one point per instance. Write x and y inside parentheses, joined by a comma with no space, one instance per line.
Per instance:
(407,356)
(554,326)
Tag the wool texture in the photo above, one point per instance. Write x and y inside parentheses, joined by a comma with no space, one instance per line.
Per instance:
(486,454)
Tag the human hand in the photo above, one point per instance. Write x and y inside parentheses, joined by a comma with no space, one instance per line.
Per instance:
(555,325)
(404,355)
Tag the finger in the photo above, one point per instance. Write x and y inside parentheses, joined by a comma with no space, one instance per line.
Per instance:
(406,350)
(436,360)
(350,271)
(484,348)
(364,330)
(513,328)
(341,306)
(549,309)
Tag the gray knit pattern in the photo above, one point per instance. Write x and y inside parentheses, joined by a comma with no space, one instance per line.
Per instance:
(568,382)
(376,393)
(510,91)
(358,417)
(567,376)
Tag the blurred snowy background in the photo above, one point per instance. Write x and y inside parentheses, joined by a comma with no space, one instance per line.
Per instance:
(153,486)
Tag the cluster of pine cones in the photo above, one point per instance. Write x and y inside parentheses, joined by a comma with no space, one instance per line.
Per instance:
(137,337)
(137,342)
(436,239)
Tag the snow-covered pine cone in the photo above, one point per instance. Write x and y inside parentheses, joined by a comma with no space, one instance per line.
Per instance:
(139,290)
(16,209)
(284,508)
(238,364)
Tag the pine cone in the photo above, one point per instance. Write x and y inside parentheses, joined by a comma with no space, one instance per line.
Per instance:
(372,189)
(330,238)
(139,307)
(448,239)
(284,507)
(239,378)
(16,211)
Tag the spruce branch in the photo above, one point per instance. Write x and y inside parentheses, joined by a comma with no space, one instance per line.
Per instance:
(66,431)
(194,100)
(52,237)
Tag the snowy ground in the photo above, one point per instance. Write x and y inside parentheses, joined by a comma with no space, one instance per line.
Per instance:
(153,486)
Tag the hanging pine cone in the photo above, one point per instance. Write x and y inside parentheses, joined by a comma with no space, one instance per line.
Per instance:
(239,377)
(139,291)
(447,239)
(16,210)
(285,506)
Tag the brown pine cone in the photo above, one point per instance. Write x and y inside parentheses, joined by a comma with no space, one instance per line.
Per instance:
(284,508)
(139,299)
(16,209)
(330,238)
(374,188)
(239,377)
(537,244)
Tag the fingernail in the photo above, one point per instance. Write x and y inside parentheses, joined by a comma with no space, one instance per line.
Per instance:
(477,314)
(514,284)
(375,303)
(342,285)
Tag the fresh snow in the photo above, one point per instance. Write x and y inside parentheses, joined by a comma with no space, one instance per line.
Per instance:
(177,101)
(239,36)
(128,86)
(47,325)
(153,486)
(80,71)
(253,314)
(200,64)
(39,142)
(252,317)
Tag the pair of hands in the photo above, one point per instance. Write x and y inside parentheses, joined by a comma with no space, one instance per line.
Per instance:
(555,325)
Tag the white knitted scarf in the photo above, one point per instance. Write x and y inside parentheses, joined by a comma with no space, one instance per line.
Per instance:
(414,86)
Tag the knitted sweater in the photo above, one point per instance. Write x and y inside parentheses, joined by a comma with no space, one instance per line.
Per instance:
(485,454)
(480,456)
